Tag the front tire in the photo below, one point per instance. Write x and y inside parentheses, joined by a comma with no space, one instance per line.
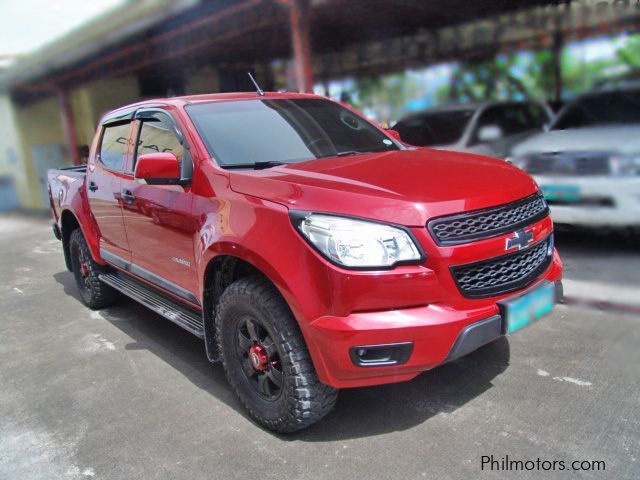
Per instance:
(266,360)
(86,270)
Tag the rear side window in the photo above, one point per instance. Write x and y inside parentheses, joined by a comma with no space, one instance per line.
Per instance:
(114,146)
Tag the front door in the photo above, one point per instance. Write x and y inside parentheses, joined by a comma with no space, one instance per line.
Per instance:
(158,218)
(104,177)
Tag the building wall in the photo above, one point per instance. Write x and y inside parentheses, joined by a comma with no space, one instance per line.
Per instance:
(39,127)
(13,188)
(203,80)
(108,94)
(32,138)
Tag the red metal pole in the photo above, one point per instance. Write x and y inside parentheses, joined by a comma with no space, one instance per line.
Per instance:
(68,125)
(299,22)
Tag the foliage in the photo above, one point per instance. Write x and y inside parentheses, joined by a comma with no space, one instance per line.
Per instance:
(519,75)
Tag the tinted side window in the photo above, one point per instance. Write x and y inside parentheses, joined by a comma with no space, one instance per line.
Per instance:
(157,135)
(616,107)
(114,146)
(436,128)
(512,119)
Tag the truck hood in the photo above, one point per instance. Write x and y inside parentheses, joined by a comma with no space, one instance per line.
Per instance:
(405,187)
(621,139)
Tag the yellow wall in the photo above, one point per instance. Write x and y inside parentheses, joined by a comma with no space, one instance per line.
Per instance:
(37,124)
(40,123)
(83,115)
(11,160)
(112,93)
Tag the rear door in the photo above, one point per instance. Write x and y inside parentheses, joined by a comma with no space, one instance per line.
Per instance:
(158,218)
(104,177)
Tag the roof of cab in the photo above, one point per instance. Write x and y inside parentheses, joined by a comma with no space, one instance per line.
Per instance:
(205,98)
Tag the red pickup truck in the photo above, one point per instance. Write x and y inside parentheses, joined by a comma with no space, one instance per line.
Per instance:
(310,249)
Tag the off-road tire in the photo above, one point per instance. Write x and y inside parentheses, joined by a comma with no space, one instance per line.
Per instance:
(302,399)
(94,293)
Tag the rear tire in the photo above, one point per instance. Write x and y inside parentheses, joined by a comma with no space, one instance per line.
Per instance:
(86,270)
(266,360)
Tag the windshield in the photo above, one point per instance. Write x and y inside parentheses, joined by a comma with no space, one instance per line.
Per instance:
(437,128)
(249,132)
(617,107)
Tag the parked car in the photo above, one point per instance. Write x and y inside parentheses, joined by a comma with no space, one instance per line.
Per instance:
(308,248)
(488,128)
(588,163)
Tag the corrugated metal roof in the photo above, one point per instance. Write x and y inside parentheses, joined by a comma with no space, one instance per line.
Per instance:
(102,32)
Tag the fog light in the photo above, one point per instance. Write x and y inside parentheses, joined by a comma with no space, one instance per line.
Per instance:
(381,355)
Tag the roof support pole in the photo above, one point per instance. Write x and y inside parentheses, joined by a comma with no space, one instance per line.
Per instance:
(299,22)
(556,47)
(68,126)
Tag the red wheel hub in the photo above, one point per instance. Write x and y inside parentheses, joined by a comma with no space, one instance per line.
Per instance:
(258,357)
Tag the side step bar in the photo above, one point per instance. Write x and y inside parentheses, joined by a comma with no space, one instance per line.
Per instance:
(190,320)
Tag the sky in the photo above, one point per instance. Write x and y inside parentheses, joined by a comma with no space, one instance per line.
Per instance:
(26,25)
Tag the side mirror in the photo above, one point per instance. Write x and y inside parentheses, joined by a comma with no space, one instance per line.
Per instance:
(160,168)
(489,133)
(393,134)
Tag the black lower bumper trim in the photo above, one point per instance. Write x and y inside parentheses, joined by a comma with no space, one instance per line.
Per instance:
(475,336)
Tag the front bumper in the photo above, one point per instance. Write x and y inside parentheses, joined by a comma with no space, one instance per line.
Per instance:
(438,333)
(604,201)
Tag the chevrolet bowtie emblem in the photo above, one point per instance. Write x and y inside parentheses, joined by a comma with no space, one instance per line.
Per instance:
(519,240)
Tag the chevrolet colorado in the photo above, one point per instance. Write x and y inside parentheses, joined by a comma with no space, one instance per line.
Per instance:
(310,249)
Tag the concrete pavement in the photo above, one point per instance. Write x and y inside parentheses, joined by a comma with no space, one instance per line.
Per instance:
(125,394)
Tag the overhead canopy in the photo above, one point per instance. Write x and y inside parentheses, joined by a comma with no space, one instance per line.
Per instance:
(346,36)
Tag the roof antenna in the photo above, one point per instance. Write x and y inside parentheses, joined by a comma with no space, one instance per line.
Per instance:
(258,89)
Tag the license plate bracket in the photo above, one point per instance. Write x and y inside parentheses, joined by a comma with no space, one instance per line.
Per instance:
(524,309)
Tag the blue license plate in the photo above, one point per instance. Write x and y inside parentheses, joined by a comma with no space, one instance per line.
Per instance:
(524,309)
(564,193)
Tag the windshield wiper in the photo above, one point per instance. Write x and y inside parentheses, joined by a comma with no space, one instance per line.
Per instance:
(255,166)
(348,152)
(342,154)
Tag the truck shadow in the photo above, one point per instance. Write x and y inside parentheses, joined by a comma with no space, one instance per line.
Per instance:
(360,412)
(363,412)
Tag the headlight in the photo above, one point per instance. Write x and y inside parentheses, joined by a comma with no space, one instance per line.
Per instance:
(626,164)
(356,243)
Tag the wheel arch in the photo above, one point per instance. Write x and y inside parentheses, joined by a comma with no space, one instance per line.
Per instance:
(68,223)
(221,271)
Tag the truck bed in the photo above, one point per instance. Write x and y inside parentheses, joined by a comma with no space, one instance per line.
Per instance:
(76,171)
(64,185)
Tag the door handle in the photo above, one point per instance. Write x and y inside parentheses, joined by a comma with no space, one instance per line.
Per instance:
(128,196)
(92,186)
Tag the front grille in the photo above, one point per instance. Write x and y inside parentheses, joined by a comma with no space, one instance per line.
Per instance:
(489,222)
(504,274)
(574,163)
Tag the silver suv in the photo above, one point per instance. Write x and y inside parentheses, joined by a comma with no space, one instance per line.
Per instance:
(488,128)
(588,162)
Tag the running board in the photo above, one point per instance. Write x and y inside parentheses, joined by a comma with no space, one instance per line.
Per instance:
(190,320)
